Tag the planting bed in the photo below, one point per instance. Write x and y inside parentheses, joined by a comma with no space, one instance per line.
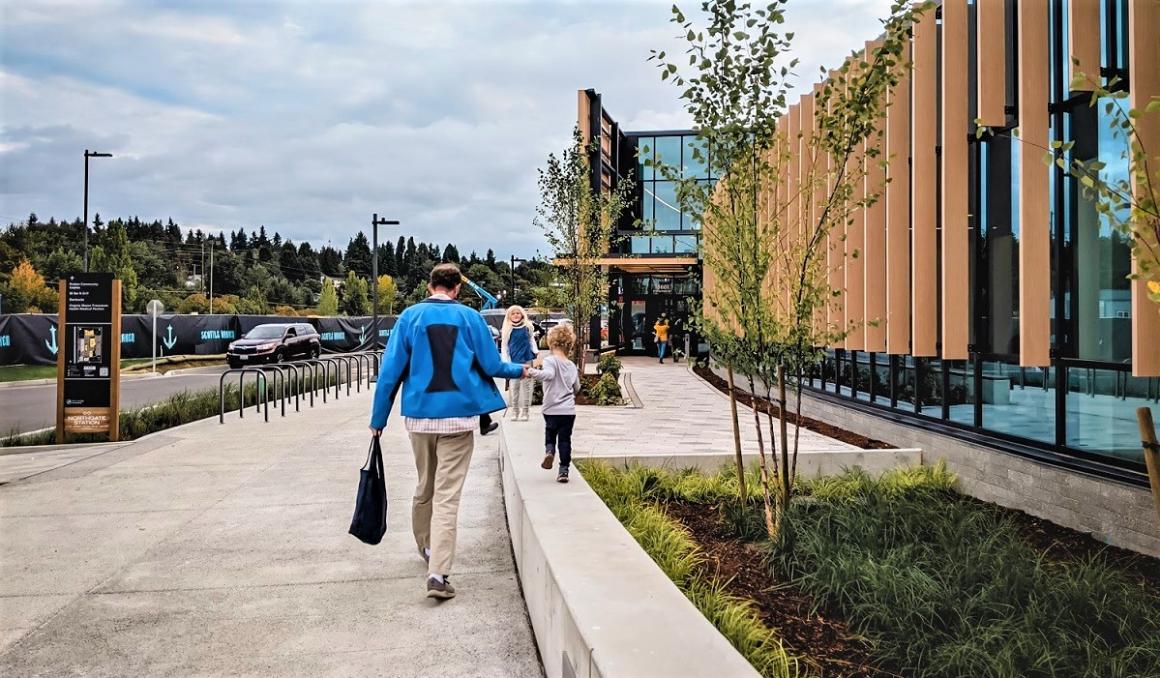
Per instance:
(765,406)
(901,575)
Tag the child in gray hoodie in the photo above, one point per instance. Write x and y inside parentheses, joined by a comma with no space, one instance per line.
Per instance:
(561,384)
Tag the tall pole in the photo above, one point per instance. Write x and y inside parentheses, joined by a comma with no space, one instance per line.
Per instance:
(375,279)
(89,154)
(512,270)
(86,210)
(211,277)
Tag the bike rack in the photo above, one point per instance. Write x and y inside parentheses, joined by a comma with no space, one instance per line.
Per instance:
(278,370)
(260,377)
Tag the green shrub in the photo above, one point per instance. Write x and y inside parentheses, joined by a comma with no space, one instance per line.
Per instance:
(606,391)
(609,364)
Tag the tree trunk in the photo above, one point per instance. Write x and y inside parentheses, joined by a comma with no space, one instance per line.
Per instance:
(766,494)
(786,479)
(736,436)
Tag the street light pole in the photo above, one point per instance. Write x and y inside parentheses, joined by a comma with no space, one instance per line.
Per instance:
(89,154)
(512,270)
(375,223)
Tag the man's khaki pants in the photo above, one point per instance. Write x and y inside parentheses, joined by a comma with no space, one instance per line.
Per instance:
(442,460)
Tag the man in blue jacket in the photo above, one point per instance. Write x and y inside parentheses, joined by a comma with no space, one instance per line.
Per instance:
(443,357)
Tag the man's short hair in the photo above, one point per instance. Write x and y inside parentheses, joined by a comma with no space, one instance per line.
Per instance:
(446,276)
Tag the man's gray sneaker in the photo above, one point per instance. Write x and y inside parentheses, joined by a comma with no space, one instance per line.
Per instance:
(562,475)
(440,589)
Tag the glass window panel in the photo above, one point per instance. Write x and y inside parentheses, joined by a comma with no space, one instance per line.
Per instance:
(997,289)
(1018,401)
(640,284)
(930,387)
(647,205)
(668,153)
(644,152)
(960,394)
(686,244)
(639,244)
(695,158)
(668,211)
(881,378)
(662,244)
(905,382)
(1101,411)
(1101,296)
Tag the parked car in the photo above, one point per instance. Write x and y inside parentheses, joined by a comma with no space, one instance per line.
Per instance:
(275,342)
(545,325)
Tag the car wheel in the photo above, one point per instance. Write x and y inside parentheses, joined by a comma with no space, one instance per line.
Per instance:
(279,356)
(316,352)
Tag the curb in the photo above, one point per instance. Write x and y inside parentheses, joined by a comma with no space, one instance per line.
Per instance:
(136,374)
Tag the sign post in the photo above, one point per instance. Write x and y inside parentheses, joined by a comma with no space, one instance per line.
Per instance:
(88,363)
(154,308)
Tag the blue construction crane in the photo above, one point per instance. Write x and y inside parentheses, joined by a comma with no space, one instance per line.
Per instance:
(489,301)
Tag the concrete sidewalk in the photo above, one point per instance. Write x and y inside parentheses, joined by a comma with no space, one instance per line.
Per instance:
(215,550)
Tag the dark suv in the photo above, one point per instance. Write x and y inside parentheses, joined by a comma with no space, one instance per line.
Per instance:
(275,342)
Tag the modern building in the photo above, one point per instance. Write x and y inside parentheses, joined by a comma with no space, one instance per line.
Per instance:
(996,325)
(653,265)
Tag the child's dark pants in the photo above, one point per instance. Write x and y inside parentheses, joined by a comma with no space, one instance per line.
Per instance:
(558,436)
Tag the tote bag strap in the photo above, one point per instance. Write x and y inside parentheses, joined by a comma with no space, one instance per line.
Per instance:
(375,458)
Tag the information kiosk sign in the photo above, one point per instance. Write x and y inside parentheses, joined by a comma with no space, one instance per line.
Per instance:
(89,359)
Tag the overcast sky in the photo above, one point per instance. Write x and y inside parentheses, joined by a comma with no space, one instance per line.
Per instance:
(307,116)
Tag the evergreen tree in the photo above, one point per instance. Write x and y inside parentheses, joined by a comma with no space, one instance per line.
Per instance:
(308,262)
(358,255)
(401,258)
(288,262)
(490,259)
(115,256)
(330,261)
(172,232)
(277,242)
(450,254)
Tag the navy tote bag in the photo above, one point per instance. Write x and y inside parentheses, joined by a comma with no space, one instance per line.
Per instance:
(369,523)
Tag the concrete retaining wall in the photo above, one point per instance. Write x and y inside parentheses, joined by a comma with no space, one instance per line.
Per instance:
(1116,513)
(600,607)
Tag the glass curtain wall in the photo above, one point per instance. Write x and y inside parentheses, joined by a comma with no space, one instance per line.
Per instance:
(1083,404)
(664,228)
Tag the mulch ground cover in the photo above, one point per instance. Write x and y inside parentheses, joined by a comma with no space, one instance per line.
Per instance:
(766,407)
(587,381)
(823,640)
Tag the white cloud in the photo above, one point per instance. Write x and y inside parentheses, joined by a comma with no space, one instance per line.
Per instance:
(307,117)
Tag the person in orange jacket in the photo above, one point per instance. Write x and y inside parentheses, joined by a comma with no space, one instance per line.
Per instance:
(661,334)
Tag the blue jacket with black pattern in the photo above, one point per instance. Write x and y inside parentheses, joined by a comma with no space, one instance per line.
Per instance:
(441,354)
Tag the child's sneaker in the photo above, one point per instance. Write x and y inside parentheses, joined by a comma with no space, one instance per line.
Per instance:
(549,459)
(562,475)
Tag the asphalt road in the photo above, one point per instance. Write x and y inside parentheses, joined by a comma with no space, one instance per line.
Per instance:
(28,408)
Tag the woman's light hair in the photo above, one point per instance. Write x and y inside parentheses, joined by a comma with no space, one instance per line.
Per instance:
(562,337)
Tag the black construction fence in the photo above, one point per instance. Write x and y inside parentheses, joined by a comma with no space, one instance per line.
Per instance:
(31,338)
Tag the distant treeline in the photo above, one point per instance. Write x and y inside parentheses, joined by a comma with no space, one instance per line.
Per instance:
(255,272)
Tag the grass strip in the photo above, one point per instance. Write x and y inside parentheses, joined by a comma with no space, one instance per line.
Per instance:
(673,549)
(180,408)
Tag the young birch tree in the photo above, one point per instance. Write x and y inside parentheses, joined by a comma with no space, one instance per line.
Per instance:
(765,254)
(580,225)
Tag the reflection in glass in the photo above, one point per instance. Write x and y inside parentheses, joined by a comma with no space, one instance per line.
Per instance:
(1018,401)
(644,152)
(668,152)
(1101,297)
(930,387)
(668,210)
(640,244)
(695,167)
(997,294)
(1101,411)
(960,395)
(662,244)
(686,244)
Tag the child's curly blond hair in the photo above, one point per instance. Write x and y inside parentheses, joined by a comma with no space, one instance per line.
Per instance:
(562,337)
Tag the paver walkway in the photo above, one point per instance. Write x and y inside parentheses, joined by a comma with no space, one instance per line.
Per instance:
(223,550)
(682,414)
